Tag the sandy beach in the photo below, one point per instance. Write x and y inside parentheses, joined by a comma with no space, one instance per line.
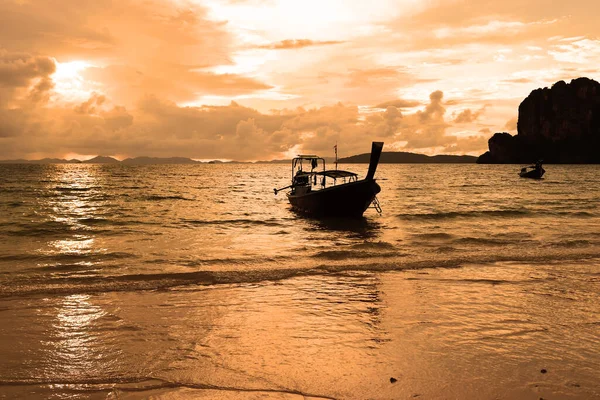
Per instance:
(503,331)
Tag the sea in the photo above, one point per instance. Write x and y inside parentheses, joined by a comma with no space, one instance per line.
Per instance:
(198,282)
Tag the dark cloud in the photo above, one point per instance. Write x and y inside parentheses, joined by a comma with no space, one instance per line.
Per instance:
(25,78)
(18,69)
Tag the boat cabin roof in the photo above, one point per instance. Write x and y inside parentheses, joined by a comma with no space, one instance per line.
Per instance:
(336,173)
(307,157)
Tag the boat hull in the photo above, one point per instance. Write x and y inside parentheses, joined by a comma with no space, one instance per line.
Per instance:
(345,200)
(533,174)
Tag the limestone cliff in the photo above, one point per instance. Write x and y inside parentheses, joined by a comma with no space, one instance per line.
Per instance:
(557,125)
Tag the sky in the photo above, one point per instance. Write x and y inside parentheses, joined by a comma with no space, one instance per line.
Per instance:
(269,79)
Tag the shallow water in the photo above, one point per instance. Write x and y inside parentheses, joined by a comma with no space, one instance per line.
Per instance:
(196,281)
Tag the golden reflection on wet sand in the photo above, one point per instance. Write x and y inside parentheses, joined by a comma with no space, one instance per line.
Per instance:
(74,348)
(477,332)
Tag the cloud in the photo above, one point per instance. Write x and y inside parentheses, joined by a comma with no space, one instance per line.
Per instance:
(157,127)
(361,77)
(168,30)
(467,116)
(25,77)
(399,103)
(518,80)
(576,50)
(298,44)
(144,59)
(177,83)
(138,47)
(466,144)
(117,118)
(89,106)
(18,69)
(511,124)
(447,24)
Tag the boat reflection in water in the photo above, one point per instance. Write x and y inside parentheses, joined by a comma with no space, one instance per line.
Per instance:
(310,194)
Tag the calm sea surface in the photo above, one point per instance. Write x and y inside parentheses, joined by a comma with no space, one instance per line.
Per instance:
(198,282)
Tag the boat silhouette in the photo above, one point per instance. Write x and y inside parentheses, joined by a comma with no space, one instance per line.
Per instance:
(317,191)
(533,171)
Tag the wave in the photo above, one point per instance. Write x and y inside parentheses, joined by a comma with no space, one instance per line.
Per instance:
(493,242)
(466,214)
(169,197)
(67,285)
(44,228)
(15,204)
(148,384)
(62,257)
(226,261)
(373,245)
(570,243)
(241,221)
(345,254)
(75,189)
(435,236)
(493,214)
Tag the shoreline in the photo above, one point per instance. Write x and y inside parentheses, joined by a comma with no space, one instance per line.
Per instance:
(478,331)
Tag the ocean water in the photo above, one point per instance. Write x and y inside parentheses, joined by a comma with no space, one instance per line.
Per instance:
(196,281)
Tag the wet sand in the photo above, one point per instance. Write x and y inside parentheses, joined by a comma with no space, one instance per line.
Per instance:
(473,332)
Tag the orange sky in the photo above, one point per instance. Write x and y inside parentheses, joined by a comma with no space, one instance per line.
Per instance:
(263,79)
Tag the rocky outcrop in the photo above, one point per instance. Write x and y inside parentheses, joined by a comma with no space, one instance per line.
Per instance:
(557,125)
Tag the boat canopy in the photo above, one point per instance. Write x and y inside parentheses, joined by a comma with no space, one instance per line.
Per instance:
(336,173)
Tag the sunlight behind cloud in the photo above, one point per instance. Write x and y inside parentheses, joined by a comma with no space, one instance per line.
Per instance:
(68,82)
(312,19)
(235,79)
(212,100)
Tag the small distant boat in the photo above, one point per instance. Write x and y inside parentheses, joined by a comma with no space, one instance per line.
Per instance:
(533,171)
(311,194)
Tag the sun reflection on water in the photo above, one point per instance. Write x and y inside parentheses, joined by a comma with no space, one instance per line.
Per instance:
(80,245)
(74,350)
(71,198)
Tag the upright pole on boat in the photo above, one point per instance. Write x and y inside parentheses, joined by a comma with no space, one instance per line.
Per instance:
(335,148)
(376,148)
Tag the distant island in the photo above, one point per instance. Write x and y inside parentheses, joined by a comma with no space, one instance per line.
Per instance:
(110,160)
(390,157)
(400,157)
(559,125)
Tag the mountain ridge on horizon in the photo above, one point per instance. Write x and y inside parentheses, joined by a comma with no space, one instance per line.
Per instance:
(389,157)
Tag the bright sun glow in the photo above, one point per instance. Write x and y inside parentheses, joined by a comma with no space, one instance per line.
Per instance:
(308,19)
(68,82)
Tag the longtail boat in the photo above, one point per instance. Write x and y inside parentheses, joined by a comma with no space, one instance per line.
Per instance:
(318,191)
